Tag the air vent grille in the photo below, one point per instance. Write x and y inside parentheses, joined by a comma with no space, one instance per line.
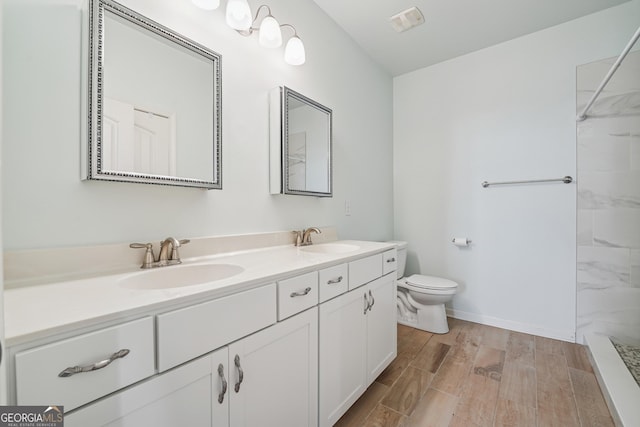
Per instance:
(406,19)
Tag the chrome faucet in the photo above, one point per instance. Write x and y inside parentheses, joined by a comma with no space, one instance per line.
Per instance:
(306,235)
(164,257)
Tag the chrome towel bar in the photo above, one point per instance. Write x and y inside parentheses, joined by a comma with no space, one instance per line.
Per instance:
(567,180)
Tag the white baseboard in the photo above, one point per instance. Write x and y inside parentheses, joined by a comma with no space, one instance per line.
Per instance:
(569,336)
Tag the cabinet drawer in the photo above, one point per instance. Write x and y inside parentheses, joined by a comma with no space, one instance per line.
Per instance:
(389,261)
(297,294)
(182,396)
(193,331)
(333,281)
(364,270)
(37,370)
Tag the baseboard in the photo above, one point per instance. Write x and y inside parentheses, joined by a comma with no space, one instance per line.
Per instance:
(569,336)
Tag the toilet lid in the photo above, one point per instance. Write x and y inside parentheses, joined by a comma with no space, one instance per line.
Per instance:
(430,282)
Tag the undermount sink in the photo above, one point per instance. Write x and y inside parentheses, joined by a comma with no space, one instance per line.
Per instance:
(331,248)
(179,276)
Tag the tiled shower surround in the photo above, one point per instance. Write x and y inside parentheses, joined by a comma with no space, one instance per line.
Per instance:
(608,166)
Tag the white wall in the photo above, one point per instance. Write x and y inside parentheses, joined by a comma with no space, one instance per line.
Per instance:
(46,205)
(503,113)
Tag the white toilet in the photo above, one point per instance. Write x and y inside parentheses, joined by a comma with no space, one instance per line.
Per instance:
(421,298)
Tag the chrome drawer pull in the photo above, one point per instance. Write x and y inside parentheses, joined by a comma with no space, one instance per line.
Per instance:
(373,300)
(334,281)
(391,260)
(300,294)
(366,303)
(98,365)
(224,383)
(240,373)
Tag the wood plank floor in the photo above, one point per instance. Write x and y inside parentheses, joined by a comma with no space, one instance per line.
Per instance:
(479,375)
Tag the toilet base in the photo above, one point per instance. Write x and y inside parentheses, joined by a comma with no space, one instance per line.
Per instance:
(430,318)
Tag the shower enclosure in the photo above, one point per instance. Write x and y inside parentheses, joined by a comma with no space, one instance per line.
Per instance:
(608,234)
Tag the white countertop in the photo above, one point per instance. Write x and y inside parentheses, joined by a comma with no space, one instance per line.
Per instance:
(35,312)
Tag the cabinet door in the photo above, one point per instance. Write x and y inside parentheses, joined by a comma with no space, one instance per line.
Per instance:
(343,345)
(381,325)
(181,397)
(221,387)
(274,379)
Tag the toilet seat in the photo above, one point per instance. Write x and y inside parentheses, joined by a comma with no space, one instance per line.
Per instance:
(419,281)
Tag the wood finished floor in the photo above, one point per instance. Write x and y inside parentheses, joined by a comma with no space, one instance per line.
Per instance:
(479,375)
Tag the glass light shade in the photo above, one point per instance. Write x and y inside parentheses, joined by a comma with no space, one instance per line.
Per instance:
(238,14)
(294,51)
(207,4)
(270,35)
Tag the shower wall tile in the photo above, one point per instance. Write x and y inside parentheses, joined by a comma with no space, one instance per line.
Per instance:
(599,190)
(617,228)
(585,227)
(608,192)
(635,152)
(609,126)
(600,267)
(635,268)
(590,75)
(606,153)
(610,311)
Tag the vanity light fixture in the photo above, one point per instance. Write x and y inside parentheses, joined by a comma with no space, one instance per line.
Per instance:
(238,17)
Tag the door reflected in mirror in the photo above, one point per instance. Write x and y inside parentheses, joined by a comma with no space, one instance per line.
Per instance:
(154,101)
(300,145)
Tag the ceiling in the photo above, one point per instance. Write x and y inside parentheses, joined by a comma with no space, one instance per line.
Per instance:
(452,27)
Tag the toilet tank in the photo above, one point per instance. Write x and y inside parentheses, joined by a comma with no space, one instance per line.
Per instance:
(402,256)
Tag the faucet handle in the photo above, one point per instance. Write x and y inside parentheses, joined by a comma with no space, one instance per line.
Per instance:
(298,234)
(149,258)
(175,256)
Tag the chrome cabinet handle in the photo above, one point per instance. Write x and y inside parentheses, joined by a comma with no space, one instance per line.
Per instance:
(300,294)
(334,281)
(373,300)
(236,360)
(224,383)
(94,367)
(366,303)
(391,260)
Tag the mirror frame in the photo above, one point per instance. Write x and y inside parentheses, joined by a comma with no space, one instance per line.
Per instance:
(95,79)
(279,136)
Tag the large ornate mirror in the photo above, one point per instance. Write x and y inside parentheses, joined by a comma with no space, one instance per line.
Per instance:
(300,135)
(154,102)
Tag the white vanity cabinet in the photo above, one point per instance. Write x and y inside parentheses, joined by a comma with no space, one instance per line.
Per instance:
(357,339)
(271,380)
(296,350)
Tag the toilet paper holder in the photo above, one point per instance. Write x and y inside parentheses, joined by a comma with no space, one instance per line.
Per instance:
(461,241)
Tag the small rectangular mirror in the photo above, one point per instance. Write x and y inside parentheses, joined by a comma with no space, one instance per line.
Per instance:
(154,102)
(300,139)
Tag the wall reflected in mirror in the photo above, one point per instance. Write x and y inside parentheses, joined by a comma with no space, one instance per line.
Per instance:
(154,102)
(300,138)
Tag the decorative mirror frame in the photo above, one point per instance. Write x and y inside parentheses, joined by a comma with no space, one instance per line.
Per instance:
(95,82)
(279,139)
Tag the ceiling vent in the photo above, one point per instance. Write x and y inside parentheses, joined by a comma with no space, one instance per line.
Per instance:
(407,19)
